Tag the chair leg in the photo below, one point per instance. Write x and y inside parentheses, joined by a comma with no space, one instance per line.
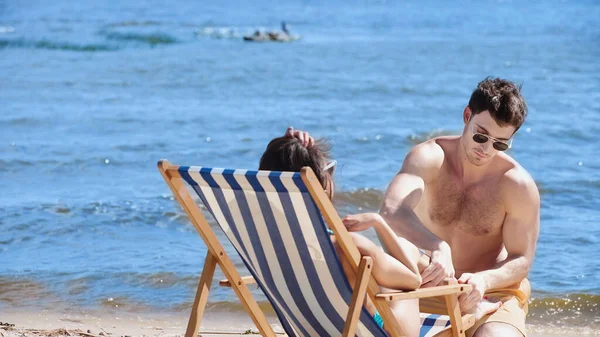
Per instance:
(241,290)
(455,316)
(210,264)
(218,254)
(358,296)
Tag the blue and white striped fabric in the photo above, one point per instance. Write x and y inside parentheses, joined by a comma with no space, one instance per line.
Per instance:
(274,224)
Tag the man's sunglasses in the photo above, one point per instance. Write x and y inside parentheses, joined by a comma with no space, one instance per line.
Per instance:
(497,144)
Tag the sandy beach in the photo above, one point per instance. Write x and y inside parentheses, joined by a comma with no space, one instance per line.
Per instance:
(46,323)
(31,323)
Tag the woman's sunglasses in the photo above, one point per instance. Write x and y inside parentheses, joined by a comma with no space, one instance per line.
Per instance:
(497,144)
(330,167)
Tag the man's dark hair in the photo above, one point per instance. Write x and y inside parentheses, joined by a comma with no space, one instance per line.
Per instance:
(288,154)
(503,100)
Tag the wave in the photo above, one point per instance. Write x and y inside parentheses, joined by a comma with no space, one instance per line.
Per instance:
(51,45)
(568,188)
(15,291)
(427,135)
(346,201)
(4,164)
(145,291)
(28,121)
(575,309)
(6,29)
(220,32)
(57,165)
(151,39)
(113,214)
(134,23)
(553,329)
(139,147)
(362,199)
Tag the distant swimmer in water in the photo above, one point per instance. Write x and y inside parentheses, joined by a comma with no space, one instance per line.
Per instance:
(283,36)
(284,28)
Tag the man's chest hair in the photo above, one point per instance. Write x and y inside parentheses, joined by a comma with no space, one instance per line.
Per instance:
(476,209)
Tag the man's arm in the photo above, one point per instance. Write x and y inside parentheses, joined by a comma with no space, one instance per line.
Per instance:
(519,234)
(421,165)
(397,209)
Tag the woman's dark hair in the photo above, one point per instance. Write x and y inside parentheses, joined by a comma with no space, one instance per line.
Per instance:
(502,99)
(288,154)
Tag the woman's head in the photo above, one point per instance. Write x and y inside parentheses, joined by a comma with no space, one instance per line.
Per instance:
(288,154)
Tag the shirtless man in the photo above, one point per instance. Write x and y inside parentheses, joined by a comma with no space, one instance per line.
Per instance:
(474,208)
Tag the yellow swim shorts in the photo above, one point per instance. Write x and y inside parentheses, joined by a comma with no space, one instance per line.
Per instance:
(513,310)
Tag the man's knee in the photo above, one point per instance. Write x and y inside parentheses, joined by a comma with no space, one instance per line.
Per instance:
(497,329)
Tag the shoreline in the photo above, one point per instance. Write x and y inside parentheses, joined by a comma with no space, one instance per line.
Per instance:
(106,323)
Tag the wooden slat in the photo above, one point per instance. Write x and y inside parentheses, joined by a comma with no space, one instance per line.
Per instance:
(208,271)
(426,292)
(246,279)
(455,317)
(173,179)
(358,296)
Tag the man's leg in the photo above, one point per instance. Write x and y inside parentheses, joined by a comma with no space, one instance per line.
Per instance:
(508,320)
(497,329)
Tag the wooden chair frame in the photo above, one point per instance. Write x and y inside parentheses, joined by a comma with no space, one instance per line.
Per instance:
(437,300)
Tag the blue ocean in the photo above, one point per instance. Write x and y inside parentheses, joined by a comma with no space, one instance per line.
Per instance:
(94,93)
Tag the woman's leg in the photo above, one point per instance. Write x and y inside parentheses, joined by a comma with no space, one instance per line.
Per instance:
(351,274)
(407,315)
(387,270)
(389,273)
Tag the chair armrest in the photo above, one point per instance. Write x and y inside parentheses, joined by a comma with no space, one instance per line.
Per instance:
(424,292)
(245,279)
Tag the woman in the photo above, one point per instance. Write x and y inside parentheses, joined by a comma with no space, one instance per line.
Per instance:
(398,269)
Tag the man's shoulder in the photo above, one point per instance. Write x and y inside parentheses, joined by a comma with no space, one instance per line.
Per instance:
(430,152)
(517,184)
(425,159)
(426,154)
(515,174)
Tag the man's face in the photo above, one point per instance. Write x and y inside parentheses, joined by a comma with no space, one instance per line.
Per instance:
(482,153)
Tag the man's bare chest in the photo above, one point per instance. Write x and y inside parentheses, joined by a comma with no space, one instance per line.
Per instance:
(476,209)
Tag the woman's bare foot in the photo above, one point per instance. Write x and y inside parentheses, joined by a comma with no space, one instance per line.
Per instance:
(484,307)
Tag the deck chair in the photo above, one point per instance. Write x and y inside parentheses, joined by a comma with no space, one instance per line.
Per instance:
(276,223)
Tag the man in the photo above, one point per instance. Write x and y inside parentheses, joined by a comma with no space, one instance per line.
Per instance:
(474,208)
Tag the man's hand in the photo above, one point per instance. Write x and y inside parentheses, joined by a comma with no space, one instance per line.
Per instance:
(439,268)
(304,137)
(467,301)
(361,222)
